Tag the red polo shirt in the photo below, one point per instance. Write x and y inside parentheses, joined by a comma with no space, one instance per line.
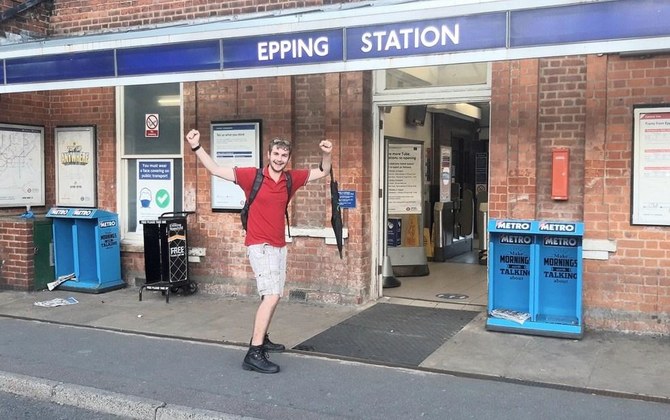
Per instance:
(267,223)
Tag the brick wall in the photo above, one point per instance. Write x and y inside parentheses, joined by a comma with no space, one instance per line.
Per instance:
(631,291)
(30,109)
(585,104)
(91,16)
(304,109)
(17,254)
(49,110)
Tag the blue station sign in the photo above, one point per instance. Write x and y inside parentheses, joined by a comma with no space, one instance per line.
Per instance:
(427,37)
(559,29)
(276,50)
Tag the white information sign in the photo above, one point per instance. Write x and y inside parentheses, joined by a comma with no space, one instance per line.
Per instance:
(155,189)
(651,167)
(75,167)
(233,144)
(21,165)
(445,174)
(404,177)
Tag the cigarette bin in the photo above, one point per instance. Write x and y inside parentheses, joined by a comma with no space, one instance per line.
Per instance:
(166,255)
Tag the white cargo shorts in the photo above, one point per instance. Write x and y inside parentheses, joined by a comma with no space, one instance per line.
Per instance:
(269,265)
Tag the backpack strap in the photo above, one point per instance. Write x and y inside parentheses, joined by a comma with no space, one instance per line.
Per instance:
(289,185)
(258,181)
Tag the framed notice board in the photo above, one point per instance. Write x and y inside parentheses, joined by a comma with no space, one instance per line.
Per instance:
(234,143)
(21,165)
(651,166)
(75,166)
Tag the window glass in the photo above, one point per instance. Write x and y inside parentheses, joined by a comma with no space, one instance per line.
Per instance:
(437,76)
(134,196)
(152,119)
(151,138)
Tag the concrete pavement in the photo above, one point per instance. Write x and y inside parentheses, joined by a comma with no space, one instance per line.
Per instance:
(632,366)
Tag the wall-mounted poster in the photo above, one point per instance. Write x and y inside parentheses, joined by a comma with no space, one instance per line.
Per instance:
(75,166)
(404,178)
(155,189)
(446,174)
(21,165)
(651,166)
(234,143)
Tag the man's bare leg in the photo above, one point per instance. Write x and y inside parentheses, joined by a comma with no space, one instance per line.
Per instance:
(263,318)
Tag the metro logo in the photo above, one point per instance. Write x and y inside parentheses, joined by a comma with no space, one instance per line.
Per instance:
(84,213)
(505,225)
(559,241)
(557,227)
(107,223)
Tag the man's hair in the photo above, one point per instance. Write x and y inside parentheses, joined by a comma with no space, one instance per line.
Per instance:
(281,143)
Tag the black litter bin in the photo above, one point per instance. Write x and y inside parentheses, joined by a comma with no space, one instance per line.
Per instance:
(166,255)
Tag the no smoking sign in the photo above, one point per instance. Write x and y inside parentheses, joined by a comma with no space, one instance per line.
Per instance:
(151,125)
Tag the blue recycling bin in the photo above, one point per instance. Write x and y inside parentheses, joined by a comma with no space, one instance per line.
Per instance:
(87,247)
(535,277)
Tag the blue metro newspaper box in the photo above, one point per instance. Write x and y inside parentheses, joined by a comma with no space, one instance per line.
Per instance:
(535,277)
(87,248)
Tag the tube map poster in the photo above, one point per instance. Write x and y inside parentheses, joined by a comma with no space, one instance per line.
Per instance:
(21,165)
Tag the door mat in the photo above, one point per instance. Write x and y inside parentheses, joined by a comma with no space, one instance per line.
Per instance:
(390,333)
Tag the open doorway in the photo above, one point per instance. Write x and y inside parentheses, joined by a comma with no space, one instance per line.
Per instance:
(454,139)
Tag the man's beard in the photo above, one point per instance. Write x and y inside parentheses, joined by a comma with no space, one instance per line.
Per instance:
(277,167)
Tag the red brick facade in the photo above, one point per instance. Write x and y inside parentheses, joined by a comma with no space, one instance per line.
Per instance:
(584,103)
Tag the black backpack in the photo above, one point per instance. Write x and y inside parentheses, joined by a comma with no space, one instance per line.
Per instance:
(258,181)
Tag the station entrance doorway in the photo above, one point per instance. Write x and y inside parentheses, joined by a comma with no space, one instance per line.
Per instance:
(434,152)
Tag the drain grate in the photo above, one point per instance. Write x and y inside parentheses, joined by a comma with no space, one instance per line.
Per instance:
(299,295)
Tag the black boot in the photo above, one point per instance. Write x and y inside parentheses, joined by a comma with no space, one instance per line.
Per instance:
(271,347)
(258,361)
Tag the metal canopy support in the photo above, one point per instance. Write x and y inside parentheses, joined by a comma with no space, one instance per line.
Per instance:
(18,9)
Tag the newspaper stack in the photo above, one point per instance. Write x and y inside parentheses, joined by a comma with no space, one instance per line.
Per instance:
(519,317)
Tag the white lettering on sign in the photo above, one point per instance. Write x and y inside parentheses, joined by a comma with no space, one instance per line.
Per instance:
(177,251)
(404,39)
(516,239)
(59,212)
(79,212)
(292,48)
(512,225)
(557,227)
(557,241)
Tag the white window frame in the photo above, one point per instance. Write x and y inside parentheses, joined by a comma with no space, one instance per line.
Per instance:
(135,238)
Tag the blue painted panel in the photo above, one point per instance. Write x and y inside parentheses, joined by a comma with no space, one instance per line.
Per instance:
(559,279)
(172,58)
(86,65)
(511,271)
(284,49)
(445,35)
(590,22)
